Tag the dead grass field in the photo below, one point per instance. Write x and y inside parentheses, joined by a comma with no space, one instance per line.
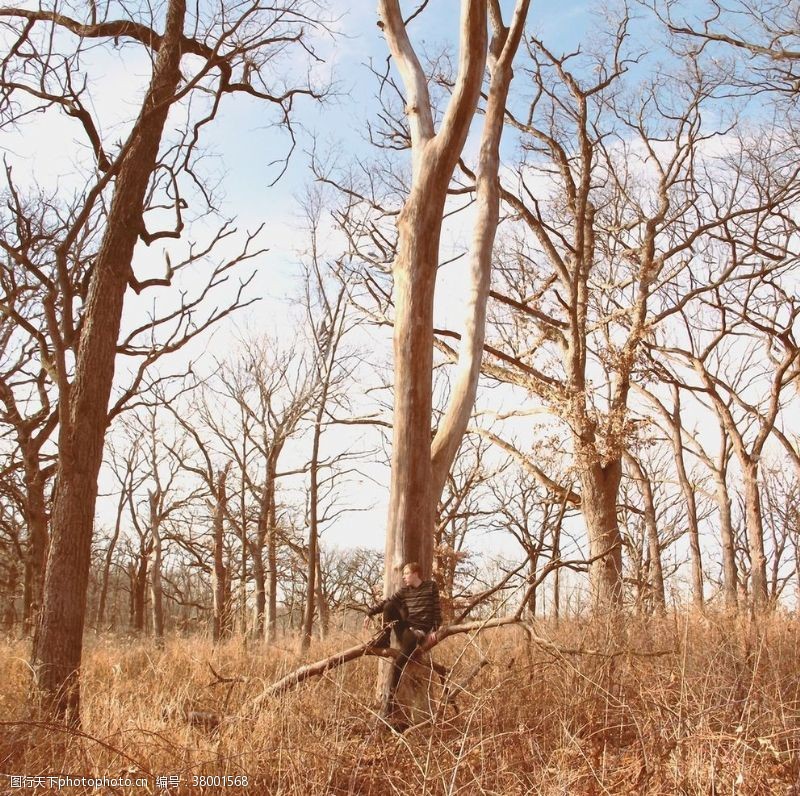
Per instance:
(717,713)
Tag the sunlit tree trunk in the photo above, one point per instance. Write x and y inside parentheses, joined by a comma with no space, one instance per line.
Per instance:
(419,469)
(83,403)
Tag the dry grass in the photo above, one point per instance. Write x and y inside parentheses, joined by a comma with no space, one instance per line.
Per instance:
(718,714)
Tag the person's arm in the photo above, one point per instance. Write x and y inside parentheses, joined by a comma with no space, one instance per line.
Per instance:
(377,608)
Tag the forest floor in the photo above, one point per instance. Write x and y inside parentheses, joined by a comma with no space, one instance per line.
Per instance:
(675,706)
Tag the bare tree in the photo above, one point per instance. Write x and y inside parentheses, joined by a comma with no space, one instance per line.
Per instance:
(91,249)
(124,468)
(611,220)
(31,416)
(419,466)
(727,366)
(327,318)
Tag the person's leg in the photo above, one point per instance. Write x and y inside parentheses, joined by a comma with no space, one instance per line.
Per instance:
(407,640)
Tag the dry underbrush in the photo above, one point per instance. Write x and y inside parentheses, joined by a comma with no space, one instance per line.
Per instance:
(694,706)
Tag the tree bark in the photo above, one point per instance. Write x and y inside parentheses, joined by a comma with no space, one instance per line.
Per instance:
(599,490)
(755,535)
(271,631)
(656,571)
(139,590)
(220,572)
(693,525)
(419,469)
(83,404)
(730,579)
(156,595)
(36,552)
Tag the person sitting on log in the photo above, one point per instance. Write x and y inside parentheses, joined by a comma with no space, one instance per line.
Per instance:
(415,613)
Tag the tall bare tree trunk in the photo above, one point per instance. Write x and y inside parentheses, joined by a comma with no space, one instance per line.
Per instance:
(156,595)
(419,469)
(328,344)
(693,525)
(730,579)
(220,572)
(266,578)
(557,573)
(322,601)
(139,590)
(271,633)
(312,568)
(83,404)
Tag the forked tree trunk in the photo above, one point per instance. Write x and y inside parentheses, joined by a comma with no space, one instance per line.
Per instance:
(83,404)
(312,568)
(419,470)
(266,541)
(328,348)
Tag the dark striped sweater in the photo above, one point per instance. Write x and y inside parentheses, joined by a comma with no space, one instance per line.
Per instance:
(422,604)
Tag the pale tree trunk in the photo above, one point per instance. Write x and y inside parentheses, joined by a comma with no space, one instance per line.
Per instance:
(419,470)
(156,595)
(693,525)
(718,471)
(434,156)
(266,578)
(557,573)
(220,572)
(748,463)
(656,571)
(83,404)
(730,579)
(755,535)
(749,459)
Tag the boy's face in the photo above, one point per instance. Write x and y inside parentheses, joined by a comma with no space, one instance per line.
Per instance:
(411,578)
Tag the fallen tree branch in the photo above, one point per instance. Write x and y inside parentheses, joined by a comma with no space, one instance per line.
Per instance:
(318,668)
